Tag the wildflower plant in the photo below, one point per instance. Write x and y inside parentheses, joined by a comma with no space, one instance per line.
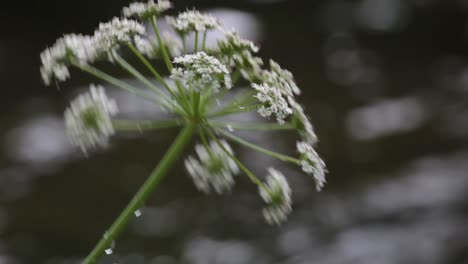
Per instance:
(190,86)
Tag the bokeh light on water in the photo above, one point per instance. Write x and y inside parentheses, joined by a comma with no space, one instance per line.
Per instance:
(385,83)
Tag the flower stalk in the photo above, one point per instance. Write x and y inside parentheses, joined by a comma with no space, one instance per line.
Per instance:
(172,154)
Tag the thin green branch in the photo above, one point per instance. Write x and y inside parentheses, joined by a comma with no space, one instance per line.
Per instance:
(182,102)
(258,148)
(184,43)
(240,109)
(252,126)
(196,42)
(246,97)
(151,68)
(236,75)
(205,34)
(129,68)
(166,58)
(250,174)
(114,81)
(130,125)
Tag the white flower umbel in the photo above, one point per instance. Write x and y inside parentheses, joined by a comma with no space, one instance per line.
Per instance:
(238,53)
(196,93)
(232,43)
(146,10)
(201,72)
(273,101)
(215,170)
(281,78)
(302,123)
(277,194)
(55,60)
(311,163)
(88,119)
(193,21)
(117,31)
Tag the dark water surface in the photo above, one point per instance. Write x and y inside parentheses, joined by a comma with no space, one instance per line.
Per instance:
(385,83)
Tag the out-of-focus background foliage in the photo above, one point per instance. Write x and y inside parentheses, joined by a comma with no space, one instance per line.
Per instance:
(385,83)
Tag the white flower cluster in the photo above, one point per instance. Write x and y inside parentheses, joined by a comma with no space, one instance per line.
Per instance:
(277,194)
(232,43)
(146,10)
(277,91)
(302,124)
(215,170)
(117,31)
(273,102)
(193,21)
(237,52)
(311,163)
(281,78)
(55,59)
(85,49)
(88,119)
(151,48)
(200,71)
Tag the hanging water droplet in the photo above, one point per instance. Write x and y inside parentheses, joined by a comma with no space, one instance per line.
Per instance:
(229,127)
(109,251)
(137,213)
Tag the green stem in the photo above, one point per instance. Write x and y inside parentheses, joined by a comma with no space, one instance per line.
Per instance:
(124,64)
(258,148)
(252,126)
(238,100)
(151,68)
(196,42)
(184,44)
(205,142)
(250,174)
(129,125)
(182,103)
(114,81)
(240,109)
(161,44)
(142,195)
(235,76)
(204,40)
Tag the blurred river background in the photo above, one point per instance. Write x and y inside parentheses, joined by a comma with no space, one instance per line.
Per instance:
(385,83)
